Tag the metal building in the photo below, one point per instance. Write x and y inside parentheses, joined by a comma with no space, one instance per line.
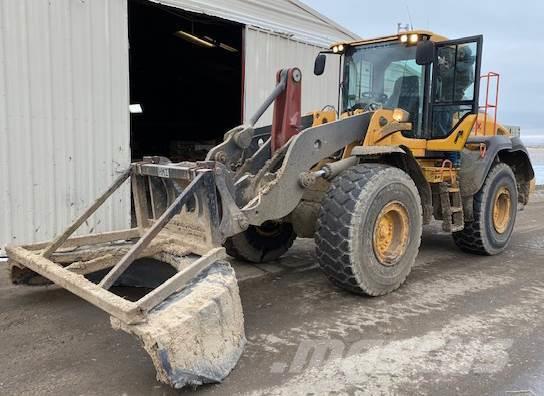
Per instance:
(70,68)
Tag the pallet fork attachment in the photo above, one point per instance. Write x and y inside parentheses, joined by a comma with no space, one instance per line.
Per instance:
(178,223)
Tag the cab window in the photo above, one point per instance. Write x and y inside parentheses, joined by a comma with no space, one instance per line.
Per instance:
(454,86)
(384,75)
(404,86)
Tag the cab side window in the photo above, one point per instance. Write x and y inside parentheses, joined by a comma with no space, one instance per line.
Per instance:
(455,70)
(361,74)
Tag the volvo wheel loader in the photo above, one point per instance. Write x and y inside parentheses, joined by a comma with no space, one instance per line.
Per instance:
(407,145)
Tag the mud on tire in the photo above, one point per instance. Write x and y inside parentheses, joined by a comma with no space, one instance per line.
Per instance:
(348,223)
(261,244)
(481,236)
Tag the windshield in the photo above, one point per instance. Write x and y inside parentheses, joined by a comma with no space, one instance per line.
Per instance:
(384,75)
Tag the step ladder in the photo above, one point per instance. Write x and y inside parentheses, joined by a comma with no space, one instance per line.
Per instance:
(452,207)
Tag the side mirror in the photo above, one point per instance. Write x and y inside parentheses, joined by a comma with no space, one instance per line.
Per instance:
(319,65)
(425,52)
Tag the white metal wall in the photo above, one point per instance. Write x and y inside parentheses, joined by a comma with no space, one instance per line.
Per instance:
(64,122)
(266,53)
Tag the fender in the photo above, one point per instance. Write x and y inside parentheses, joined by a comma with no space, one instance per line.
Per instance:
(474,167)
(518,158)
(402,158)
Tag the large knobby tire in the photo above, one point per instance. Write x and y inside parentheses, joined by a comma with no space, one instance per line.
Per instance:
(495,208)
(261,244)
(364,204)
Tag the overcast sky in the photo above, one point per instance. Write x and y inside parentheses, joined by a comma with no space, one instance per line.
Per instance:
(513,40)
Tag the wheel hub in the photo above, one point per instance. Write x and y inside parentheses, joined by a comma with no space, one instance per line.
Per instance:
(391,233)
(501,210)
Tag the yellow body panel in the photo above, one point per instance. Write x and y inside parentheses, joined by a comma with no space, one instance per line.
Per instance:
(374,128)
(416,146)
(385,131)
(323,117)
(457,139)
(485,126)
(439,174)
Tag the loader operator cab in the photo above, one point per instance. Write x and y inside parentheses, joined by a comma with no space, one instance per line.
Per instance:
(434,80)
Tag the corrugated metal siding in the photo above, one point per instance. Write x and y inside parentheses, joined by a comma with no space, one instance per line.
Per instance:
(280,16)
(266,53)
(64,122)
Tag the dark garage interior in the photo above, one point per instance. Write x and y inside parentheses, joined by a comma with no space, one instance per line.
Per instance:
(186,74)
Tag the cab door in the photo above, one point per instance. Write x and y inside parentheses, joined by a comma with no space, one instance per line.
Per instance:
(455,84)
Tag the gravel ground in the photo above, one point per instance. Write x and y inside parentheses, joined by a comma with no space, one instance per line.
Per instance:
(461,324)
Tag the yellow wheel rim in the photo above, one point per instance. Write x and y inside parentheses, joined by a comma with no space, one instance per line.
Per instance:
(391,233)
(501,210)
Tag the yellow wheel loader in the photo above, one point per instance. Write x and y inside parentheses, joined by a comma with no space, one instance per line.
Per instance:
(407,144)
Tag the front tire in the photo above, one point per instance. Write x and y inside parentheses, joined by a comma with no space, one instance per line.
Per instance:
(369,229)
(495,208)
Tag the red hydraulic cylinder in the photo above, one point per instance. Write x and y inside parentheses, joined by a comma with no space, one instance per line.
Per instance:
(287,109)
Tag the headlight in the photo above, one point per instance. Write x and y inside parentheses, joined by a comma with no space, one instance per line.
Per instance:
(404,38)
(413,38)
(338,49)
(401,115)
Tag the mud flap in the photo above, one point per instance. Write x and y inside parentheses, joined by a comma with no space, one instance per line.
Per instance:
(195,336)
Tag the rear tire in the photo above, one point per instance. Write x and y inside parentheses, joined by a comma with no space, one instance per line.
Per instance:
(260,244)
(369,229)
(495,208)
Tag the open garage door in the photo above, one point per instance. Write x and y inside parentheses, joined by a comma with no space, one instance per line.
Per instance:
(185,80)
